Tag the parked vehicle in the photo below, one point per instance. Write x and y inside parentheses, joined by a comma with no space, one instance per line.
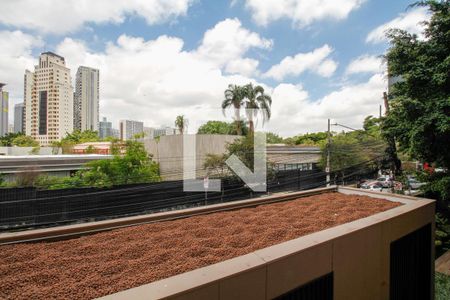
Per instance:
(386,181)
(372,185)
(414,184)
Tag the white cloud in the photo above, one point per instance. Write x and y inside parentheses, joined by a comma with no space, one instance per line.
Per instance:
(301,12)
(227,42)
(316,61)
(56,16)
(155,80)
(15,57)
(243,66)
(365,64)
(295,112)
(410,21)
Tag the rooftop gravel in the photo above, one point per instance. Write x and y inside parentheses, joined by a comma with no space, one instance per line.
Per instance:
(108,262)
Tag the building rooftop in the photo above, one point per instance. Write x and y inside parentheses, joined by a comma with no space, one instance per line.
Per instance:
(53,54)
(108,262)
(56,157)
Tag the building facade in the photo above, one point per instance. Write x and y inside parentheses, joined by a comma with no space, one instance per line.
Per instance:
(19,118)
(48,100)
(28,80)
(149,132)
(4,104)
(128,129)
(164,130)
(105,128)
(86,99)
(115,133)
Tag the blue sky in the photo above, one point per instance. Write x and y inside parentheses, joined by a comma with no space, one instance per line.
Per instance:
(263,33)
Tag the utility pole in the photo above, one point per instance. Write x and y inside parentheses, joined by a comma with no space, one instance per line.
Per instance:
(327,169)
(386,102)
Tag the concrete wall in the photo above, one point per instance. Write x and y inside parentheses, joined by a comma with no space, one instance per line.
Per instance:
(27,151)
(168,152)
(358,254)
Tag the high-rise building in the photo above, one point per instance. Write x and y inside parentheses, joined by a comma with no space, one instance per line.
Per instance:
(28,80)
(86,99)
(48,100)
(115,133)
(19,117)
(105,129)
(164,130)
(4,102)
(128,129)
(149,132)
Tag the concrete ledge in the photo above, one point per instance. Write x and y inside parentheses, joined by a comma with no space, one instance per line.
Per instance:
(356,252)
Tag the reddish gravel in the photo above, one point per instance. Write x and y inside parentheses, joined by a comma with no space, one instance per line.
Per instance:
(109,262)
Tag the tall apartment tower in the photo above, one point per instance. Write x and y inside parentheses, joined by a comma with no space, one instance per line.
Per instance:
(48,100)
(128,129)
(4,102)
(19,117)
(105,129)
(28,80)
(86,99)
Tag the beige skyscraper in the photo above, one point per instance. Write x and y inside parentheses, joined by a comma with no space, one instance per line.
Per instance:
(48,100)
(86,99)
(4,103)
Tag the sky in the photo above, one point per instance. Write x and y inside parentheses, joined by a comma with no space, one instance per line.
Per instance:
(162,58)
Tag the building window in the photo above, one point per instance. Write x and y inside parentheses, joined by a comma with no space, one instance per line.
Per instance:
(43,112)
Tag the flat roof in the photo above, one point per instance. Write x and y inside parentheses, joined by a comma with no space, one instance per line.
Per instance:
(108,262)
(56,156)
(52,54)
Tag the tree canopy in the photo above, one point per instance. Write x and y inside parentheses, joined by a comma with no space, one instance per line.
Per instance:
(181,123)
(7,139)
(220,127)
(419,116)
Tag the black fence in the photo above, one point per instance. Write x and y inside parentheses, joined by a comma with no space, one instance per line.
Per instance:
(30,207)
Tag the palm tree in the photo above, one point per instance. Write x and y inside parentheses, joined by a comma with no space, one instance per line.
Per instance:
(181,123)
(234,96)
(256,101)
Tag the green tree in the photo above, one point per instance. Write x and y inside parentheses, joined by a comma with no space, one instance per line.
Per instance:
(345,151)
(234,97)
(311,139)
(8,138)
(419,117)
(256,102)
(220,127)
(273,138)
(24,141)
(181,123)
(215,164)
(348,149)
(135,166)
(76,137)
(243,148)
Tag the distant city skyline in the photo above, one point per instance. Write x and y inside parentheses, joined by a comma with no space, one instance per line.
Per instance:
(155,64)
